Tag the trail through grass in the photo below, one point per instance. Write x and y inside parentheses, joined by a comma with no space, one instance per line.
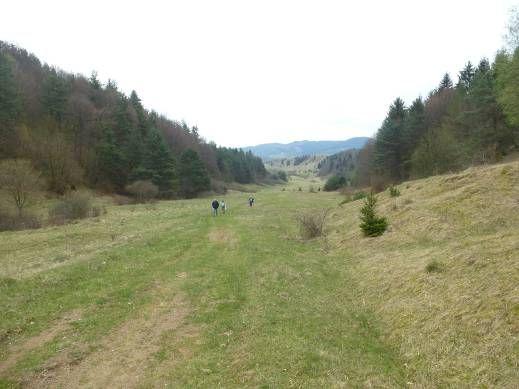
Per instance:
(258,306)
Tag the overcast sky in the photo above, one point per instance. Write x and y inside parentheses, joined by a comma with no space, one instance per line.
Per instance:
(249,72)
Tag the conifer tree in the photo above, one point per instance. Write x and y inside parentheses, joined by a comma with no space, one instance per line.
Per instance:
(371,224)
(193,174)
(413,130)
(55,96)
(112,164)
(446,82)
(466,77)
(9,106)
(388,144)
(157,163)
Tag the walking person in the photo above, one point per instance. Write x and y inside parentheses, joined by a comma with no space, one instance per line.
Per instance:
(223,206)
(215,204)
(251,201)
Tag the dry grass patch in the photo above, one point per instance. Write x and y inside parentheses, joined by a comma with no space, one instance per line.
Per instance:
(458,326)
(18,351)
(122,357)
(224,237)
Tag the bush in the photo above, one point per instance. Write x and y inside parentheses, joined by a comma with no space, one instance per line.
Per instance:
(282,175)
(434,267)
(23,221)
(312,223)
(19,179)
(334,183)
(358,195)
(218,187)
(143,191)
(121,200)
(394,191)
(72,207)
(372,225)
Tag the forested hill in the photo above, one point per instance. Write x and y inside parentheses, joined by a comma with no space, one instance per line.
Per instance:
(77,131)
(474,120)
(269,151)
(343,164)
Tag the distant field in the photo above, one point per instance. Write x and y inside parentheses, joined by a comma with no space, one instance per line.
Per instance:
(165,295)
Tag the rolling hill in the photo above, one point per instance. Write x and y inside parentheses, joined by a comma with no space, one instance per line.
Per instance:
(270,151)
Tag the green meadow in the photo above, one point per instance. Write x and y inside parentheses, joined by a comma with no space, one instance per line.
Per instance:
(165,295)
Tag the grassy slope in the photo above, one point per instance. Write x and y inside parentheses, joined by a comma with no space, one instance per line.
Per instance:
(265,309)
(459,325)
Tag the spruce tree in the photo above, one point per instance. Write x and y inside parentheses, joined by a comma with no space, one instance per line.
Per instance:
(54,97)
(413,130)
(157,163)
(112,164)
(9,107)
(193,174)
(388,143)
(446,82)
(371,224)
(466,77)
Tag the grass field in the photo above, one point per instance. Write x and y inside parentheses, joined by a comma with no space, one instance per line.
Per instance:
(165,295)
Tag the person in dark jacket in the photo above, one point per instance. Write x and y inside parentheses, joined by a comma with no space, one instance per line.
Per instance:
(215,204)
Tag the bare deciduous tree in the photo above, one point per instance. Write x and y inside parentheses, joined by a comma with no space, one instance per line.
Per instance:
(19,179)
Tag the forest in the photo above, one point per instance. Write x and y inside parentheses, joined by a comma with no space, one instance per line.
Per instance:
(75,132)
(470,122)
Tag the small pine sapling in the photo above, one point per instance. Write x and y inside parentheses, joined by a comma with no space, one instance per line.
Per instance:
(394,191)
(372,225)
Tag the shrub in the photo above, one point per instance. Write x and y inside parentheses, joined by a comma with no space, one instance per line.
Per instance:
(312,223)
(74,206)
(143,191)
(24,221)
(394,191)
(372,225)
(434,267)
(345,201)
(334,183)
(218,187)
(358,195)
(121,200)
(19,179)
(282,175)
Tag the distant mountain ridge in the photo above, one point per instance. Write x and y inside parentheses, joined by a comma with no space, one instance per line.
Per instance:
(270,151)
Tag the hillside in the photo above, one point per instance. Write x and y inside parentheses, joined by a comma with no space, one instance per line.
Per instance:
(77,131)
(456,325)
(303,166)
(165,295)
(270,151)
(343,163)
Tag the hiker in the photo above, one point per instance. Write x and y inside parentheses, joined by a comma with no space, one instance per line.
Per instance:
(215,204)
(251,201)
(223,206)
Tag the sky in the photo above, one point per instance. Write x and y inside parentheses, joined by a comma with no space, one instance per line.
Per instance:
(250,72)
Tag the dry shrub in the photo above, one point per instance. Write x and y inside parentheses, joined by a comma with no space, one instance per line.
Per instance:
(121,200)
(23,221)
(312,223)
(143,191)
(218,187)
(74,206)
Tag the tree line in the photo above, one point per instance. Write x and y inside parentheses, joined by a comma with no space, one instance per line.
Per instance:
(472,121)
(77,131)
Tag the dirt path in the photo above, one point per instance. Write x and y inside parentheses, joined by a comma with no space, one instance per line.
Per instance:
(18,351)
(123,355)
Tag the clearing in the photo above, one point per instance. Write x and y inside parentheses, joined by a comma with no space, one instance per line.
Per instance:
(166,295)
